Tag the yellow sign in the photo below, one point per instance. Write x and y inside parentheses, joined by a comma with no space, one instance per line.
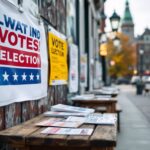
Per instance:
(103,49)
(58,60)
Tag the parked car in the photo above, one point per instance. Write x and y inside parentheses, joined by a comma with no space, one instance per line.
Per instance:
(146,79)
(123,80)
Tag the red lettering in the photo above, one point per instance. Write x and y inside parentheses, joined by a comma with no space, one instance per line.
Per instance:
(29,43)
(12,38)
(3,36)
(22,39)
(36,45)
(17,57)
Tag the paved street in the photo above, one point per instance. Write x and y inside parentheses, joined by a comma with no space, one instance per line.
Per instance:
(135,120)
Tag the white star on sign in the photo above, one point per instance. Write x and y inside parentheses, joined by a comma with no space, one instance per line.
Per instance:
(5,75)
(15,76)
(37,76)
(24,76)
(31,76)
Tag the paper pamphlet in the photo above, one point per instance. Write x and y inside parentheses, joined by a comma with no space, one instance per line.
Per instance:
(68,108)
(102,119)
(67,131)
(63,114)
(64,124)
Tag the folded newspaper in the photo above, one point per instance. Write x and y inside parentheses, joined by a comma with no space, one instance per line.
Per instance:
(64,124)
(63,114)
(95,118)
(67,131)
(68,108)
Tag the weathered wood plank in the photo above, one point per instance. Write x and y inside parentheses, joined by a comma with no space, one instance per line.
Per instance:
(12,114)
(42,105)
(104,136)
(15,135)
(2,118)
(33,108)
(29,110)
(25,111)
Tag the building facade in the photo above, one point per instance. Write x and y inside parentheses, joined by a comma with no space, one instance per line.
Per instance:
(143,52)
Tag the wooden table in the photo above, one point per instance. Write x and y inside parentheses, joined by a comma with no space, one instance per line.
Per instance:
(97,102)
(27,136)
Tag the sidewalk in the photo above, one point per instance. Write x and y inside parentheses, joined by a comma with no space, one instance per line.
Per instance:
(135,123)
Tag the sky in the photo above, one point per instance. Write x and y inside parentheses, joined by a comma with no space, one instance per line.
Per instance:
(140,10)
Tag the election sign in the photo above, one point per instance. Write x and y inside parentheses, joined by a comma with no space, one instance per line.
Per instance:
(58,57)
(23,58)
(73,68)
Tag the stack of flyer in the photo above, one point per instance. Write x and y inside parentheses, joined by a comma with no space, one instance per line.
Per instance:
(63,114)
(96,118)
(73,109)
(63,126)
(59,123)
(67,131)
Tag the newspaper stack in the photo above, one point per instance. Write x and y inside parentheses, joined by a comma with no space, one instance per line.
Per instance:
(67,131)
(73,109)
(95,118)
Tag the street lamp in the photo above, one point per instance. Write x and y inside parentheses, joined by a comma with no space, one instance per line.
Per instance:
(114,20)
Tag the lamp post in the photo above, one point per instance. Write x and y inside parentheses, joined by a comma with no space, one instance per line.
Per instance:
(103,54)
(140,84)
(114,21)
(141,52)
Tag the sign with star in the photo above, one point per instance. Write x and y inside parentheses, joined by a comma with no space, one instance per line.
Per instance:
(23,56)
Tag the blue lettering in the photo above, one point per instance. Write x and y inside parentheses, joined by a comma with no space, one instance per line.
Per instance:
(18,27)
(25,28)
(15,25)
(34,33)
(9,22)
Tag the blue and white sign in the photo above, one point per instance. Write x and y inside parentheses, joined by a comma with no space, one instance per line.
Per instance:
(23,56)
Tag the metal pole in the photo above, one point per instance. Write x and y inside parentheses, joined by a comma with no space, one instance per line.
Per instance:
(141,63)
(104,72)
